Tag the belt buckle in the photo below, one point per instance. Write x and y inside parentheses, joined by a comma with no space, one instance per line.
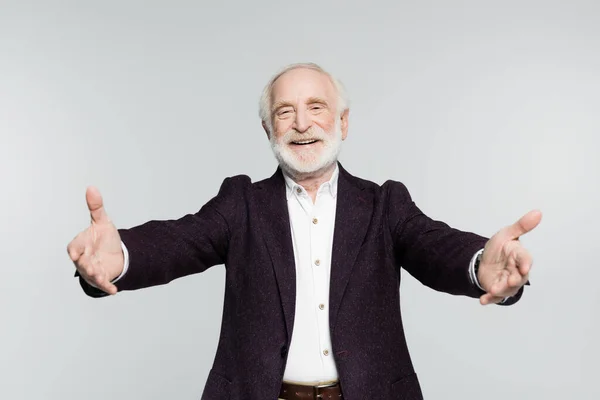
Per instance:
(326,385)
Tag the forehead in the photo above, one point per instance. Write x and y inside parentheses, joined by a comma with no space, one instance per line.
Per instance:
(302,83)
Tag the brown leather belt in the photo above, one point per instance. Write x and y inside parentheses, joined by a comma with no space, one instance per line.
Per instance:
(290,391)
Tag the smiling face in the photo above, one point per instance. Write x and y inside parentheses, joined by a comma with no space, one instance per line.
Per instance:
(307,127)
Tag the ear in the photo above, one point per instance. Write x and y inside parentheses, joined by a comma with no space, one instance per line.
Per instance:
(264,125)
(344,123)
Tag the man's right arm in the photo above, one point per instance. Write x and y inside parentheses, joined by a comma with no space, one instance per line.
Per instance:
(157,252)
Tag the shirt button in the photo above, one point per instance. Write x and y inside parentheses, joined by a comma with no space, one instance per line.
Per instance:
(321,306)
(298,190)
(326,352)
(315,221)
(317,262)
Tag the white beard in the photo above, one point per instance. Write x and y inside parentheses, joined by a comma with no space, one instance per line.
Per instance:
(310,162)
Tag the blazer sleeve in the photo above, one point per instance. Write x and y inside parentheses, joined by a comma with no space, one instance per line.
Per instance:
(431,251)
(163,250)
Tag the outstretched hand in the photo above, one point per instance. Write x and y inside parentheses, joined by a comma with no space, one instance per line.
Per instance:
(96,251)
(505,263)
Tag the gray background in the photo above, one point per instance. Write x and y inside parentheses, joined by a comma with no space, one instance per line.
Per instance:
(484,109)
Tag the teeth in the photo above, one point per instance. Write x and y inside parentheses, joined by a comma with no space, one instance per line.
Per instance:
(305,141)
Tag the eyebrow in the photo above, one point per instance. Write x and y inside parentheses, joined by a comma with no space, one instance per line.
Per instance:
(280,104)
(313,100)
(284,103)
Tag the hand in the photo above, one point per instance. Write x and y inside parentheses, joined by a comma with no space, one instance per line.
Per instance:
(505,263)
(96,252)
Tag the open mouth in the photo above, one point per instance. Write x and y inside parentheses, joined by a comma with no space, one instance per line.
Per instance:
(304,142)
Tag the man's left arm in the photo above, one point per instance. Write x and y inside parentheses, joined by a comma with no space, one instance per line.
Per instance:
(457,262)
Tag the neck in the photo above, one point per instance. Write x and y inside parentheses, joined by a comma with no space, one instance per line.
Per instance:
(313,180)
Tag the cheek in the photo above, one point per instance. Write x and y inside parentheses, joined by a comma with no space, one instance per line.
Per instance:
(327,123)
(278,133)
(280,127)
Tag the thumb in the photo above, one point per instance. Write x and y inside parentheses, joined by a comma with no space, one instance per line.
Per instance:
(96,205)
(525,224)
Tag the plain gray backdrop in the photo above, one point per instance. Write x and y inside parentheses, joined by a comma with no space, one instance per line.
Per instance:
(484,109)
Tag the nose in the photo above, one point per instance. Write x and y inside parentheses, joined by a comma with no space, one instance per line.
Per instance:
(302,122)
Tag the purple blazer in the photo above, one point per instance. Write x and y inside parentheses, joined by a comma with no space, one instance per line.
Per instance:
(378,231)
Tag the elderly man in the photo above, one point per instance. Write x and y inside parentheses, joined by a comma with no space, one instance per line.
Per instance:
(313,257)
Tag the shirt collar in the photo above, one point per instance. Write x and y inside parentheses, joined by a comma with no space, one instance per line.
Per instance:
(330,185)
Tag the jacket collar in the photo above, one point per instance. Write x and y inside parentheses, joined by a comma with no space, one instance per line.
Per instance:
(330,186)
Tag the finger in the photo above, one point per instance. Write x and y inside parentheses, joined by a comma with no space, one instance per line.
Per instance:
(517,278)
(514,276)
(95,205)
(106,286)
(490,299)
(76,247)
(500,287)
(80,246)
(505,290)
(525,224)
(95,276)
(85,266)
(523,261)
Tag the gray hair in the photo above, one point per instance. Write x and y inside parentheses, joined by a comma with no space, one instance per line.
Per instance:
(264,109)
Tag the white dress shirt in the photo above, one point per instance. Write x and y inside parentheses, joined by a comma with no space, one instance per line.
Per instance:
(310,359)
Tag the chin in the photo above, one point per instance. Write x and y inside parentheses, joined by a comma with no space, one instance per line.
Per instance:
(298,166)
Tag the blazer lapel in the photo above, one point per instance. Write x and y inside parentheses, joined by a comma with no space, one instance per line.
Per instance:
(275,228)
(353,214)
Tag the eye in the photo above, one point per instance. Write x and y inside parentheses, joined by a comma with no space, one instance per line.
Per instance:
(284,112)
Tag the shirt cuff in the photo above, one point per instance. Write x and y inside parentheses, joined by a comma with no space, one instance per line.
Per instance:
(125,262)
(472,274)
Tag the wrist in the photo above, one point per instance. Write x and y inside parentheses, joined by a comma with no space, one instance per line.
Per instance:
(474,269)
